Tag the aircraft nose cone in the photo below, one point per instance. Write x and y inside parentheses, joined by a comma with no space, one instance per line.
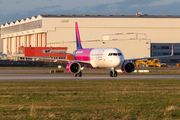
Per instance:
(115,62)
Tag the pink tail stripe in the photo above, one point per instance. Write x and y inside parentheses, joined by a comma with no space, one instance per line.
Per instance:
(77,32)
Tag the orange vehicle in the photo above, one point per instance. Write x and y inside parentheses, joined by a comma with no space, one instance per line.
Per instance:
(149,63)
(155,63)
(178,64)
(141,63)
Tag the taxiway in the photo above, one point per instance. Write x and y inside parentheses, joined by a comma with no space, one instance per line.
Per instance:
(44,75)
(63,77)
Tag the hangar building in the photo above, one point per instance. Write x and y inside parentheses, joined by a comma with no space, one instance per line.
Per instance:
(135,35)
(1,43)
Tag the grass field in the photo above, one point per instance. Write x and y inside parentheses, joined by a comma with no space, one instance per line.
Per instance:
(98,100)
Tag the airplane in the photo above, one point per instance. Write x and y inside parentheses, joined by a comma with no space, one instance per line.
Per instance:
(99,58)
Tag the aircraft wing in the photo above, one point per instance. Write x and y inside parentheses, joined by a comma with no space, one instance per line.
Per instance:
(67,60)
(148,58)
(46,58)
(152,57)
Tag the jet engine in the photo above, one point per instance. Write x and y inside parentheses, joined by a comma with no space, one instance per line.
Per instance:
(128,67)
(73,67)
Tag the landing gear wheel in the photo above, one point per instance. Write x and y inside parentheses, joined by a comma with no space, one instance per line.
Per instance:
(113,73)
(80,74)
(75,75)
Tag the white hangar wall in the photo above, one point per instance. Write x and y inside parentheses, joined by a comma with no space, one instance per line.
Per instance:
(133,35)
(1,45)
(92,33)
(159,30)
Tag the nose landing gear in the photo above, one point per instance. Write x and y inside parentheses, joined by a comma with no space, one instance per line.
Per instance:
(113,73)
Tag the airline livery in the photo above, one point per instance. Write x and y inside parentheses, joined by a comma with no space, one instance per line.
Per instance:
(99,58)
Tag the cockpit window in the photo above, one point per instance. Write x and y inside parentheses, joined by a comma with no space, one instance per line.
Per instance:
(110,54)
(114,54)
(119,54)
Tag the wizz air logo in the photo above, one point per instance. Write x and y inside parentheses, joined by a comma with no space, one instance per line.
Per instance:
(99,55)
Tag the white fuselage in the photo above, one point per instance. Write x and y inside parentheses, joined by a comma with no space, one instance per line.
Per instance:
(101,57)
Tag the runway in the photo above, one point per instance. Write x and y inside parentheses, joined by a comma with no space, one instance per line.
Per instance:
(44,75)
(69,77)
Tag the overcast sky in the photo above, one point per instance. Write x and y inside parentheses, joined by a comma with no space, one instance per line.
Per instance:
(12,10)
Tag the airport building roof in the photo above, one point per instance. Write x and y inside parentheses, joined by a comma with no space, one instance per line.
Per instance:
(116,16)
(138,15)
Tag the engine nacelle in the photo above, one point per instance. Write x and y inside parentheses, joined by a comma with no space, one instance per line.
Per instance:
(73,67)
(128,67)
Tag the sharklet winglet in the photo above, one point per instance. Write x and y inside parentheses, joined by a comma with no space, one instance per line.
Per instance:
(172,51)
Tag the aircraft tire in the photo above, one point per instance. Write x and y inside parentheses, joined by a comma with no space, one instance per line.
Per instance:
(75,75)
(111,74)
(115,74)
(80,74)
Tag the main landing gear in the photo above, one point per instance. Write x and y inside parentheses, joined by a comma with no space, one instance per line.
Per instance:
(113,73)
(78,74)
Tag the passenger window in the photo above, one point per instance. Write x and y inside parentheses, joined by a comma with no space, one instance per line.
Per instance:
(119,54)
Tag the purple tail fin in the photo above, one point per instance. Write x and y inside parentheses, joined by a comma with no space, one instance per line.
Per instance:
(78,40)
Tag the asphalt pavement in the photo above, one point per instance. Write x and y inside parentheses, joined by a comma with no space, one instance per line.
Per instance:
(44,75)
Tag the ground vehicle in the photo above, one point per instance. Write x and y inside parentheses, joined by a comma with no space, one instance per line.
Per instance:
(150,63)
(156,63)
(141,63)
(178,64)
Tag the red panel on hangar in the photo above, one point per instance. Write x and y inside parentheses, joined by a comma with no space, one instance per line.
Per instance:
(43,51)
